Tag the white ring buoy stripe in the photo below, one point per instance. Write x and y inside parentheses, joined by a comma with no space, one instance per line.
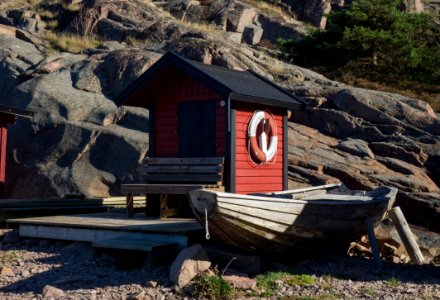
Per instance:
(258,149)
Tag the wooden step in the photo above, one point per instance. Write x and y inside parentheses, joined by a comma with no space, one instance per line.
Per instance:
(134,243)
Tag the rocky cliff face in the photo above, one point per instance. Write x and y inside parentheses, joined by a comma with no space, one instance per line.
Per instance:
(77,137)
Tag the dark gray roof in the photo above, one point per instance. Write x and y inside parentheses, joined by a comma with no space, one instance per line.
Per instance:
(238,85)
(15,111)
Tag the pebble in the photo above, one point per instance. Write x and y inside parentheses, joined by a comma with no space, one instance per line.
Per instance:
(151,284)
(6,271)
(52,292)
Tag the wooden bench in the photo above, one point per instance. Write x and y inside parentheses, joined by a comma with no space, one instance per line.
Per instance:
(174,176)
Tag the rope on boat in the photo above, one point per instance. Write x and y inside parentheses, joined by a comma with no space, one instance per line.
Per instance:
(207,236)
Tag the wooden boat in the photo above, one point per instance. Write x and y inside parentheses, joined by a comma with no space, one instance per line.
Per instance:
(305,219)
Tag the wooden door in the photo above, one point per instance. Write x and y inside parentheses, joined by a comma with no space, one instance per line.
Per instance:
(197,129)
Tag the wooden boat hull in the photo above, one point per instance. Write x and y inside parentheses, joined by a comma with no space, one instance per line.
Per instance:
(256,223)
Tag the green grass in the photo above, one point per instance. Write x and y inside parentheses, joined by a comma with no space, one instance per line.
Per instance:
(393,282)
(267,282)
(368,291)
(212,287)
(12,255)
(70,43)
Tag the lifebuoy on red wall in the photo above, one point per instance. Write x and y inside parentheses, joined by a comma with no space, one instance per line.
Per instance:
(261,126)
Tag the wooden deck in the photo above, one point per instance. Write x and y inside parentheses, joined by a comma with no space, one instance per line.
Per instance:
(24,208)
(100,228)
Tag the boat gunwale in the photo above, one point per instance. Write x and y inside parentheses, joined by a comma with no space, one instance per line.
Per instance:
(386,197)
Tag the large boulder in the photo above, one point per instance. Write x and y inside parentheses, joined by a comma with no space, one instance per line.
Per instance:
(275,28)
(252,34)
(76,138)
(313,11)
(112,72)
(239,17)
(24,19)
(71,157)
(189,263)
(129,21)
(415,6)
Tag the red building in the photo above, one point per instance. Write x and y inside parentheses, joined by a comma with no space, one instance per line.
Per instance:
(7,116)
(199,110)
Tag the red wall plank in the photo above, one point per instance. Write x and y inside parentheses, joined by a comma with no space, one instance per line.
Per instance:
(251,177)
(259,187)
(3,140)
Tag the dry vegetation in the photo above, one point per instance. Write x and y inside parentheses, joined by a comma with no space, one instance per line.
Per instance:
(33,4)
(268,7)
(14,4)
(429,94)
(70,43)
(203,27)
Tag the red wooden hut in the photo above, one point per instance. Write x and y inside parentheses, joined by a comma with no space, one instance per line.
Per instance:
(7,116)
(200,110)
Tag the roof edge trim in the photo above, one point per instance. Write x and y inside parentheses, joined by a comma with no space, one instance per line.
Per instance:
(20,112)
(281,89)
(266,101)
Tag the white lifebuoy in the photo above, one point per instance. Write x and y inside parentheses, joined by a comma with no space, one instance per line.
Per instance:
(259,150)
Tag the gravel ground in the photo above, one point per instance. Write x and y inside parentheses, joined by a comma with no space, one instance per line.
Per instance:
(28,265)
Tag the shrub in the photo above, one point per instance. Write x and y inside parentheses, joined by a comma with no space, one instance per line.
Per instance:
(375,40)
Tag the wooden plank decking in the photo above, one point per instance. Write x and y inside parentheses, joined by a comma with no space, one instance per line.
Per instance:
(95,228)
(21,208)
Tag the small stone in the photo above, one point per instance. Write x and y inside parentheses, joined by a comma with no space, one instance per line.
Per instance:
(6,271)
(52,292)
(151,284)
(25,273)
(137,296)
(240,282)
(279,282)
(52,66)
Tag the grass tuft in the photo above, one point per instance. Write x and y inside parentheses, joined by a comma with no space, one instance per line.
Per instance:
(70,43)
(393,282)
(72,7)
(203,27)
(276,68)
(268,281)
(52,24)
(269,7)
(14,4)
(213,287)
(369,292)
